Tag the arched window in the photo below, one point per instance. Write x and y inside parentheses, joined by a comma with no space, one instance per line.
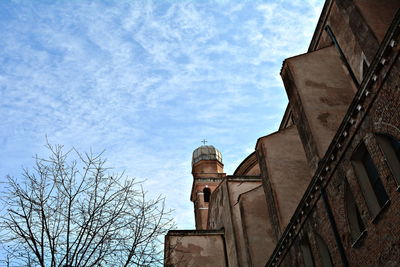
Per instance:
(306,252)
(368,177)
(326,260)
(391,148)
(207,194)
(353,216)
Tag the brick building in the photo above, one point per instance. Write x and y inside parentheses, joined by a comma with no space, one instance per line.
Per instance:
(324,190)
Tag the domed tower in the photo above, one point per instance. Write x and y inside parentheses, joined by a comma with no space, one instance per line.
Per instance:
(208,172)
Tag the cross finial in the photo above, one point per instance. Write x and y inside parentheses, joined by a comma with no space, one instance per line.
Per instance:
(204,141)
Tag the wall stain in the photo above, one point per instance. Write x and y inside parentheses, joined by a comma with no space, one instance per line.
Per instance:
(323,118)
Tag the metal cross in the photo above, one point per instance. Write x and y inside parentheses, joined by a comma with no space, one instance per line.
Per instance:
(204,141)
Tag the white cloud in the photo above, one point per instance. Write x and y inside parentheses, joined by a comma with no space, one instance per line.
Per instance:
(146,80)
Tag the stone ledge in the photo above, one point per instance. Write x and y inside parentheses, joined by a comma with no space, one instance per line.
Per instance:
(195,232)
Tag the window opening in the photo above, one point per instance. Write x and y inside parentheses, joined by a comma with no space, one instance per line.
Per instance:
(364,68)
(374,179)
(370,182)
(206,194)
(354,220)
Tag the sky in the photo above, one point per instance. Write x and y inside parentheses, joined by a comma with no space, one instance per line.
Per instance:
(146,81)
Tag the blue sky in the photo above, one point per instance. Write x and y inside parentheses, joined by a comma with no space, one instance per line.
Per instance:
(146,81)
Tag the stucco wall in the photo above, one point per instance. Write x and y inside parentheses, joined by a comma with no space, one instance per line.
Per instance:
(378,14)
(194,248)
(352,34)
(236,187)
(286,174)
(220,218)
(320,92)
(257,227)
(253,171)
(359,26)
(249,166)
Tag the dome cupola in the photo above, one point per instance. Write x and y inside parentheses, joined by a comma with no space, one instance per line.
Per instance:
(206,153)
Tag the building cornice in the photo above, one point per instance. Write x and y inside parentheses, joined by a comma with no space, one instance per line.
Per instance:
(234,178)
(195,232)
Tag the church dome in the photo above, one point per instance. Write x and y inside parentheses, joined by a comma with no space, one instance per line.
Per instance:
(206,153)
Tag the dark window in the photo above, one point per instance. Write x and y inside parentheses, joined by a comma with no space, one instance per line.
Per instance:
(354,220)
(365,67)
(391,149)
(207,194)
(374,179)
(368,177)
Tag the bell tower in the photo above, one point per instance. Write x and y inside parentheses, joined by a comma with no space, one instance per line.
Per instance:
(208,172)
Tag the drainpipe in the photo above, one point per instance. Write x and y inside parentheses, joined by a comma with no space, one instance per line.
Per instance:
(342,56)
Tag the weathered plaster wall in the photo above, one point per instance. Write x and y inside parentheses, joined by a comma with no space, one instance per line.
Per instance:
(320,92)
(220,217)
(285,174)
(378,14)
(248,167)
(257,226)
(359,26)
(253,171)
(195,248)
(225,213)
(353,35)
(236,187)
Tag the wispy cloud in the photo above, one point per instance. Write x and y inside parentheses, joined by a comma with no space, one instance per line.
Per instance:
(146,80)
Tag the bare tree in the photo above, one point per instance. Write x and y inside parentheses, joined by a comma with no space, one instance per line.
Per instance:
(74,213)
